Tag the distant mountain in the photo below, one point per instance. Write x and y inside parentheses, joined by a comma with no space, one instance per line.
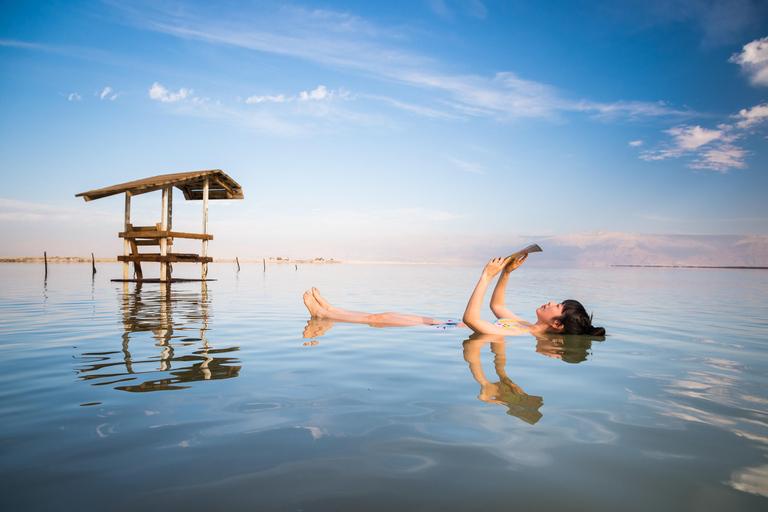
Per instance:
(604,248)
(587,249)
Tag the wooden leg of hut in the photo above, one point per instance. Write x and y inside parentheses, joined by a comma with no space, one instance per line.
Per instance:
(206,187)
(126,243)
(164,241)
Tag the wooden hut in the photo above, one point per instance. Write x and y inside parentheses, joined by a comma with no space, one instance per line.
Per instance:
(196,186)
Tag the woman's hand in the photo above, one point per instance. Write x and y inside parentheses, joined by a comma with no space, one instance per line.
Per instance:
(494,267)
(513,263)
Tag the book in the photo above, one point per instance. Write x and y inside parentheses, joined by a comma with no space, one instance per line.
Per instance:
(531,248)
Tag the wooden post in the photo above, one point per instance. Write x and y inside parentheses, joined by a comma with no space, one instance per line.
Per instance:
(264,261)
(205,225)
(169,241)
(238,263)
(93,262)
(45,258)
(164,240)
(126,242)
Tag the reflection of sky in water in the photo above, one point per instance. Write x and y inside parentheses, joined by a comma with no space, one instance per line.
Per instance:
(669,411)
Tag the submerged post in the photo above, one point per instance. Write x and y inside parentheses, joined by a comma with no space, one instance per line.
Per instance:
(93,262)
(45,258)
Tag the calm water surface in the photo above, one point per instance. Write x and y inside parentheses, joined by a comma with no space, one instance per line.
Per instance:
(120,397)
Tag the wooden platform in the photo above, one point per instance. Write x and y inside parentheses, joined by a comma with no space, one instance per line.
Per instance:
(158,280)
(168,258)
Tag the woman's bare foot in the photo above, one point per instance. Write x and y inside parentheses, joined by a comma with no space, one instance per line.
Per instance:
(315,309)
(321,300)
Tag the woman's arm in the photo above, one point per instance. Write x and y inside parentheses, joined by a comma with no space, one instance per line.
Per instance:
(497,299)
(475,304)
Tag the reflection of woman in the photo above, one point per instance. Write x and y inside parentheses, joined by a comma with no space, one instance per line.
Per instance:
(567,317)
(573,349)
(506,392)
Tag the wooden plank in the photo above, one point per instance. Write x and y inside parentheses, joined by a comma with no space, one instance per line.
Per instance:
(155,280)
(164,234)
(168,258)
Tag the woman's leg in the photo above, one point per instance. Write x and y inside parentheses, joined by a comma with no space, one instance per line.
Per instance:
(321,308)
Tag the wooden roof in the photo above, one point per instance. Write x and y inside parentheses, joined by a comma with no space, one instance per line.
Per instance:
(220,186)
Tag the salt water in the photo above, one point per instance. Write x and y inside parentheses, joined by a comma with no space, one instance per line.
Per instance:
(226,396)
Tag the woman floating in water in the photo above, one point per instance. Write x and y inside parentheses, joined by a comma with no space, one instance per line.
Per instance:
(567,317)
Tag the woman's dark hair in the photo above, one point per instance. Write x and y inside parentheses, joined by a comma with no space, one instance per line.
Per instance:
(576,320)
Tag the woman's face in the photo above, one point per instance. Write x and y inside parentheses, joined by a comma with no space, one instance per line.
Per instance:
(549,312)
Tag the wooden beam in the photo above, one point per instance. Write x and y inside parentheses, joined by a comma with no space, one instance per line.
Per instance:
(163,234)
(168,258)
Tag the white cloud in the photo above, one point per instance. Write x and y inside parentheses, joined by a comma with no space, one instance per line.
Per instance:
(418,109)
(319,94)
(107,93)
(752,116)
(467,166)
(158,92)
(709,149)
(753,480)
(754,60)
(689,138)
(12,210)
(714,149)
(722,158)
(635,143)
(339,40)
(262,99)
(74,97)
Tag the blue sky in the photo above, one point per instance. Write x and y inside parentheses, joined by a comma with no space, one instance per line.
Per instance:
(347,122)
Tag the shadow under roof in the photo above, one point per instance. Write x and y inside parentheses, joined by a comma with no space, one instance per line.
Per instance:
(220,186)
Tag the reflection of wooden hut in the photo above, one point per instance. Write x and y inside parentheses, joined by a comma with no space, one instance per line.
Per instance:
(177,323)
(198,185)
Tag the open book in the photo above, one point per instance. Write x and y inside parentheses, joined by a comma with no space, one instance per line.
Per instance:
(531,248)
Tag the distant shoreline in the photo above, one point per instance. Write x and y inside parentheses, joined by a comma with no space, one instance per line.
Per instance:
(694,266)
(78,259)
(321,261)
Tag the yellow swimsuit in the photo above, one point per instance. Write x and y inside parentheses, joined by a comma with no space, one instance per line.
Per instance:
(508,323)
